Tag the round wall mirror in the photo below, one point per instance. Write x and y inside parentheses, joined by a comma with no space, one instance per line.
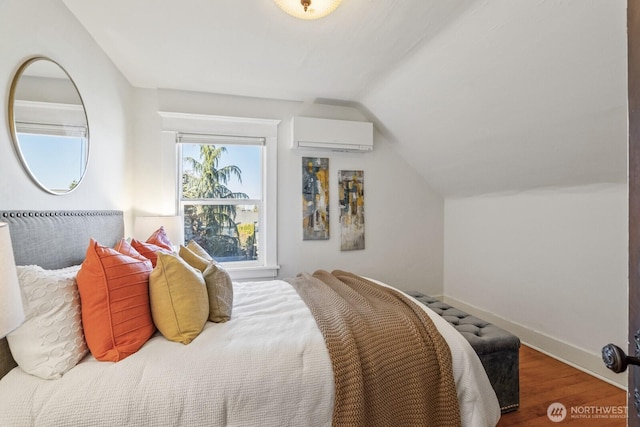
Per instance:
(49,125)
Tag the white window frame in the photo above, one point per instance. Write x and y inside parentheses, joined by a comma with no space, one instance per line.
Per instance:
(235,127)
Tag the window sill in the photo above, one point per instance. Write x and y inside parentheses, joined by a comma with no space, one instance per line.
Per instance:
(252,273)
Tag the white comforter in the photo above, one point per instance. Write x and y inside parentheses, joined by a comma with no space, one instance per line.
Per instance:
(268,366)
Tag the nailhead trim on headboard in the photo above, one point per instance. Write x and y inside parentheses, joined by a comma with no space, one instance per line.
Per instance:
(18,214)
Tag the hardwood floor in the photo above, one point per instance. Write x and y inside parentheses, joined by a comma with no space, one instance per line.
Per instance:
(544,380)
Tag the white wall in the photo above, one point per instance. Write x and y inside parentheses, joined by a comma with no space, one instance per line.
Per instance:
(46,28)
(551,261)
(404,217)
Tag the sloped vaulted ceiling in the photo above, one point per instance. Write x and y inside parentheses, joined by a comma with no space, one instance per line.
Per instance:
(514,95)
(479,96)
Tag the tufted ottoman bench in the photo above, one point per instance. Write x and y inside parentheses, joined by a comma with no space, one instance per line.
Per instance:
(496,348)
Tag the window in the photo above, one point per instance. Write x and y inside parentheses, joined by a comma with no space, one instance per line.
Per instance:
(221,194)
(226,190)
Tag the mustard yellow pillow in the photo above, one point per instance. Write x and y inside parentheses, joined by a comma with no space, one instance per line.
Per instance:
(179,299)
(220,291)
(198,250)
(193,259)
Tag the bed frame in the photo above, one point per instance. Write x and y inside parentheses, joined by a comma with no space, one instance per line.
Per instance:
(56,239)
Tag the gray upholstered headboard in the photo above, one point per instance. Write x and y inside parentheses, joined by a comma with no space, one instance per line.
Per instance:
(56,239)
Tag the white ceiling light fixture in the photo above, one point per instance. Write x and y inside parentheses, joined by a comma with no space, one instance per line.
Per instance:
(308,9)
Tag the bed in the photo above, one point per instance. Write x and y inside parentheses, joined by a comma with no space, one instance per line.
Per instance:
(270,365)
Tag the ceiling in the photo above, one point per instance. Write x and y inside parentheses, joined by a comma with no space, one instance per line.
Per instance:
(479,96)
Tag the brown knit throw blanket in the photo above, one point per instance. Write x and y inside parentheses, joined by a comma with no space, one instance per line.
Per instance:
(391,366)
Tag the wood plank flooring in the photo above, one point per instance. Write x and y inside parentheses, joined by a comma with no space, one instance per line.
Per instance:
(545,380)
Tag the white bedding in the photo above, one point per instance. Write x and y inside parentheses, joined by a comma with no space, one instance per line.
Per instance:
(268,366)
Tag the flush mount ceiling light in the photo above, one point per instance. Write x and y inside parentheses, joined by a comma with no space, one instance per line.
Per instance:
(308,9)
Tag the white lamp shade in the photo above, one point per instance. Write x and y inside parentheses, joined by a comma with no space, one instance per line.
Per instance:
(11,308)
(144,226)
(316,9)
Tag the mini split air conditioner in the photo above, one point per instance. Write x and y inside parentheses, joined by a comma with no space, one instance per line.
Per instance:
(310,133)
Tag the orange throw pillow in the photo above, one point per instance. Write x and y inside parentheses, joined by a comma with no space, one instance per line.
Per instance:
(125,248)
(114,295)
(160,238)
(148,250)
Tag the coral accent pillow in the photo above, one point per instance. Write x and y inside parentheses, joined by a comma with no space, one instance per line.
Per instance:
(50,341)
(148,250)
(198,250)
(179,301)
(114,294)
(160,238)
(220,292)
(192,259)
(125,248)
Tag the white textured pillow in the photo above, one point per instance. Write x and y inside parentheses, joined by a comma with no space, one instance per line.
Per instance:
(51,340)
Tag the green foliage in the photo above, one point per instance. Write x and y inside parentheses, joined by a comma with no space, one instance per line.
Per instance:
(212,226)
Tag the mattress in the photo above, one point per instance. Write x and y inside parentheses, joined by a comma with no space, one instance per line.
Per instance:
(268,366)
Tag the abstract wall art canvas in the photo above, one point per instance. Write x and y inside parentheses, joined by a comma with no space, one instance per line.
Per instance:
(315,198)
(351,193)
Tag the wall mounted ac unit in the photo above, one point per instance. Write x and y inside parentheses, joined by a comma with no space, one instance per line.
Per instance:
(310,133)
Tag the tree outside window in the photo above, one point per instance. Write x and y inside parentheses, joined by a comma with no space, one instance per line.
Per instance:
(221,198)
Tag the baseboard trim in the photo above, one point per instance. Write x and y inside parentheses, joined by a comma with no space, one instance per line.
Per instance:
(579,358)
